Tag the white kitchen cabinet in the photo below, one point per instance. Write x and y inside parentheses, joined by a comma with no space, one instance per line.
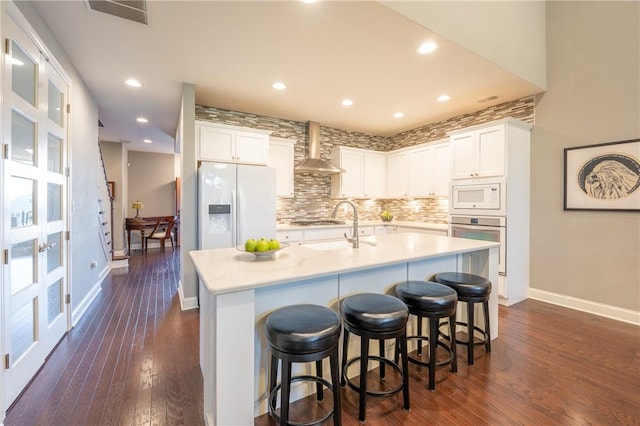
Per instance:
(229,144)
(429,170)
(398,175)
(478,153)
(386,229)
(292,236)
(442,232)
(364,175)
(420,171)
(281,156)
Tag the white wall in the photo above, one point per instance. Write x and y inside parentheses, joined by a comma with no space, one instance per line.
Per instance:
(593,96)
(186,139)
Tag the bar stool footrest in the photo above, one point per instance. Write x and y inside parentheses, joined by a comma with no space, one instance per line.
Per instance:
(303,378)
(483,341)
(374,393)
(439,344)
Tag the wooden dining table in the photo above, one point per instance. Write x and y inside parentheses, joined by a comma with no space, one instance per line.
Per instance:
(146,224)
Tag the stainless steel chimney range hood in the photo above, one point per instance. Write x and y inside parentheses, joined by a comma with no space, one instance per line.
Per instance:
(313,163)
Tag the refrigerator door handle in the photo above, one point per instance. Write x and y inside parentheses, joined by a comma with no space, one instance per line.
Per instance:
(235,223)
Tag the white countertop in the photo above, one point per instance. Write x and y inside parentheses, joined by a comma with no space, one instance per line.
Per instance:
(229,270)
(407,224)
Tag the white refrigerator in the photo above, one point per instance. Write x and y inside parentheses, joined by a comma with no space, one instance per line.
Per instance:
(235,202)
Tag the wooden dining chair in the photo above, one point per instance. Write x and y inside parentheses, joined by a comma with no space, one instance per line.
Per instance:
(162,235)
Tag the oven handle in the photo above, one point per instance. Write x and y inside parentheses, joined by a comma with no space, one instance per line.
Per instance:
(477,227)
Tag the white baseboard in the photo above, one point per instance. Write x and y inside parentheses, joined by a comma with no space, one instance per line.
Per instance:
(608,311)
(82,307)
(186,303)
(120,263)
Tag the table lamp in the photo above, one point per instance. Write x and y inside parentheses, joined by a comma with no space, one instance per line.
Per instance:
(137,205)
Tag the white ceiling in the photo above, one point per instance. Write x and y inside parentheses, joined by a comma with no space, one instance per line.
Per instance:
(233,51)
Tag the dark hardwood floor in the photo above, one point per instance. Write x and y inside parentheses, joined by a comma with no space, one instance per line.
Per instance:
(133,360)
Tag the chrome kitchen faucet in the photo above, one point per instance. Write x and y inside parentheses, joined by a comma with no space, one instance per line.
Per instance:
(355,239)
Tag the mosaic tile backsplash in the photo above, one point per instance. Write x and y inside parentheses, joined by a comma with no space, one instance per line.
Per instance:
(313,192)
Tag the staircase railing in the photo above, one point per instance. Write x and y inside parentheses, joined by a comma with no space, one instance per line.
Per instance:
(105,211)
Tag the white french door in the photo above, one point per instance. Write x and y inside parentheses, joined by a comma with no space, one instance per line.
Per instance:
(34,191)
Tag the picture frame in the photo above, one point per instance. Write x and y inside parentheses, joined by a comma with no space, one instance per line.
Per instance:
(603,177)
(112,189)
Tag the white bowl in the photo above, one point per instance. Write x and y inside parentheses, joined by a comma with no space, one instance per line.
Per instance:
(262,254)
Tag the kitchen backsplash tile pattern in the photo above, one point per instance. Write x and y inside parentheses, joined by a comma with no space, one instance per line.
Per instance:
(521,109)
(313,192)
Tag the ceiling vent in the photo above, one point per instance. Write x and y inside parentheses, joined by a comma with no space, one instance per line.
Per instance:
(132,10)
(490,98)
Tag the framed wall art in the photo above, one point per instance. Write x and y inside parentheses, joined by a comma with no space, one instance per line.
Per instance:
(603,177)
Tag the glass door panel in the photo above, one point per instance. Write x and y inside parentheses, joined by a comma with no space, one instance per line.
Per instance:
(55,301)
(54,202)
(23,196)
(23,328)
(55,104)
(24,72)
(23,139)
(22,265)
(54,253)
(54,154)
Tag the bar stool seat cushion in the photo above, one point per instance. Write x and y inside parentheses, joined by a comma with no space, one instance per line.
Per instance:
(428,297)
(375,312)
(303,329)
(466,285)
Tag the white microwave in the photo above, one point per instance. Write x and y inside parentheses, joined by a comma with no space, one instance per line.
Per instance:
(478,196)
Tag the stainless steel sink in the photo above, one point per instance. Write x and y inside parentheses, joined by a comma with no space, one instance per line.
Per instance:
(329,245)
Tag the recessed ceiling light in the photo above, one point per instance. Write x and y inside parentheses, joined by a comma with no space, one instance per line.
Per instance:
(142,120)
(309,1)
(132,82)
(279,86)
(443,98)
(427,47)
(147,141)
(347,102)
(398,114)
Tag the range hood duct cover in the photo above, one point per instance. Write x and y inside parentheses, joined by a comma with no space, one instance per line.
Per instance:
(313,163)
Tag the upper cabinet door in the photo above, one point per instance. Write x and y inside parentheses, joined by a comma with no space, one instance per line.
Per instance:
(252,148)
(281,156)
(350,181)
(491,151)
(216,144)
(230,145)
(398,175)
(441,169)
(374,177)
(479,153)
(463,160)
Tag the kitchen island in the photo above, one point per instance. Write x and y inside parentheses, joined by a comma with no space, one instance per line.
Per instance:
(237,292)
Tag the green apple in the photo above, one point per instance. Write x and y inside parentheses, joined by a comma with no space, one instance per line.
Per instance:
(262,245)
(274,244)
(250,245)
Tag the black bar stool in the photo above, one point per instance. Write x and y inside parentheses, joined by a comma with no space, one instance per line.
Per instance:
(433,301)
(303,333)
(471,289)
(378,317)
